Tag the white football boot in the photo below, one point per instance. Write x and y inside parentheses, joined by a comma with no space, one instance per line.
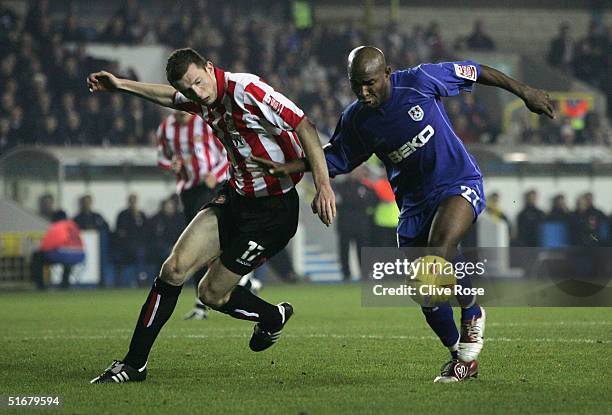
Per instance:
(472,337)
(457,371)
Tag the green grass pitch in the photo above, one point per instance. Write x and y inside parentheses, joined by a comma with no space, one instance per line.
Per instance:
(335,356)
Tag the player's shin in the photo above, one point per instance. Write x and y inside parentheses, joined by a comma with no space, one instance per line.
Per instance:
(154,313)
(440,319)
(467,302)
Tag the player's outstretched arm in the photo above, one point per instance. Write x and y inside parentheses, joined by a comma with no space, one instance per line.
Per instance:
(106,81)
(324,203)
(536,100)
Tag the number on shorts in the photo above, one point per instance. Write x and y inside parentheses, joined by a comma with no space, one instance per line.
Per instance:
(252,252)
(470,195)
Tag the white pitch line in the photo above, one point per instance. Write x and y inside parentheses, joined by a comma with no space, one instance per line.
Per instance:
(232,329)
(322,336)
(551,324)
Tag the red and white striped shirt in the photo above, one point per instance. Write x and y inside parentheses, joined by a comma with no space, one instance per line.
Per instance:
(251,118)
(196,145)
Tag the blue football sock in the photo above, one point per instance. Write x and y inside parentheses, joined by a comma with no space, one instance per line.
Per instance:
(465,281)
(470,312)
(440,319)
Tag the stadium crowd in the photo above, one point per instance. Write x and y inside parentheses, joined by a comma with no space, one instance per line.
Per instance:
(585,225)
(43,63)
(588,58)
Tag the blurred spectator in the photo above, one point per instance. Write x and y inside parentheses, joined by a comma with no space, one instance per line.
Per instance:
(61,244)
(567,132)
(609,230)
(49,133)
(589,224)
(46,207)
(419,44)
(130,245)
(529,220)
(464,130)
(71,132)
(477,39)
(36,15)
(19,129)
(118,133)
(478,118)
(5,134)
(355,203)
(435,42)
(116,31)
(591,209)
(494,209)
(71,32)
(164,229)
(96,122)
(87,218)
(386,214)
(73,77)
(561,50)
(559,211)
(595,131)
(591,62)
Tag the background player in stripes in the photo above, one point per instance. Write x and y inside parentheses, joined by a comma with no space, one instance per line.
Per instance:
(252,218)
(399,117)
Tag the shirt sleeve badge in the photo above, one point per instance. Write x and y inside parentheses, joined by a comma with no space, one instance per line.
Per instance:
(466,71)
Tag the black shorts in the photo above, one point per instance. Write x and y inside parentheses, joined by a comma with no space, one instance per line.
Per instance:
(252,230)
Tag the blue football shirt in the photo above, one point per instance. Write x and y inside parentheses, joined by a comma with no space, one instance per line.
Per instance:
(410,133)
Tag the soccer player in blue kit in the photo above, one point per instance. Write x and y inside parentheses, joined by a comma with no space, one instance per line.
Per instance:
(438,186)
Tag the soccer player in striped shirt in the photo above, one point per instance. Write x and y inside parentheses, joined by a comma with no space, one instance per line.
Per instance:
(187,146)
(251,219)
(399,117)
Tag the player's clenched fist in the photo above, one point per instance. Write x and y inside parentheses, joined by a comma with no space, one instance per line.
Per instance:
(102,81)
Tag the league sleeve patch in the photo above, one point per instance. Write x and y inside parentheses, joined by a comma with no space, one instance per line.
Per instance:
(276,105)
(466,71)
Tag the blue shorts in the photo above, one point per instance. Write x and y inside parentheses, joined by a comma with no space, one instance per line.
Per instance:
(413,230)
(66,257)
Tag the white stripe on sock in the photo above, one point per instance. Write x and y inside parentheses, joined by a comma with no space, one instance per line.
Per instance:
(144,367)
(154,311)
(281,309)
(246,313)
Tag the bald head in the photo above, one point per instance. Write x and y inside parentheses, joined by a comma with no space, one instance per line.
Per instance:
(366,59)
(369,75)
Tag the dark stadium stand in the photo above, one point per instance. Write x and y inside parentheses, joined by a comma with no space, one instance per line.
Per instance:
(44,100)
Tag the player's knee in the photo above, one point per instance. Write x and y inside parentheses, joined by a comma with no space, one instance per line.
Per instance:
(171,271)
(442,240)
(211,296)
